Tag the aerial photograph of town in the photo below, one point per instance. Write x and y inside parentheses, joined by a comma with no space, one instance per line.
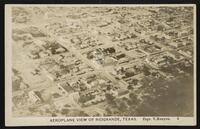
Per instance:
(80,61)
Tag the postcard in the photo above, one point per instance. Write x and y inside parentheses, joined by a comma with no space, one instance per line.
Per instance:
(100,64)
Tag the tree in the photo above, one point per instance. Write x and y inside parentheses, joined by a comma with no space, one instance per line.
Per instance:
(108,111)
(110,99)
(146,71)
(32,109)
(123,106)
(160,28)
(16,72)
(64,111)
(130,87)
(53,115)
(133,99)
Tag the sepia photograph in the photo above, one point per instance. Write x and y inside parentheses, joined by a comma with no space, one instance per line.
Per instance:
(92,64)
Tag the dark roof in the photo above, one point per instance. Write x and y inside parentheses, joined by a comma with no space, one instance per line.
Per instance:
(67,87)
(110,50)
(120,56)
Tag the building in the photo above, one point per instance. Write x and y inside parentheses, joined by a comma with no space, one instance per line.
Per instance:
(35,96)
(176,56)
(176,44)
(122,92)
(65,88)
(186,52)
(160,61)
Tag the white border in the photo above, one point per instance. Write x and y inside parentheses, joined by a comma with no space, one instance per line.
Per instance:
(42,121)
